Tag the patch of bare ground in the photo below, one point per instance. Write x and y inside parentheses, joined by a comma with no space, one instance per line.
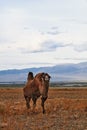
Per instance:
(66,109)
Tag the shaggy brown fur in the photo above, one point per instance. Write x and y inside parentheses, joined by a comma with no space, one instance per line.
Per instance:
(36,87)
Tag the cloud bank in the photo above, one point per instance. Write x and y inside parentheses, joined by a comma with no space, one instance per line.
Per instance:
(34,32)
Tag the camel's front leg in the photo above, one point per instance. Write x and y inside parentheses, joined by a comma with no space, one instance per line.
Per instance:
(42,103)
(27,101)
(34,99)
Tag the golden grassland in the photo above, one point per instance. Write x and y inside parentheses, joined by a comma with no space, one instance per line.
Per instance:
(66,109)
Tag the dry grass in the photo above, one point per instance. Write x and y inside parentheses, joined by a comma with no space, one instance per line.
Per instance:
(66,109)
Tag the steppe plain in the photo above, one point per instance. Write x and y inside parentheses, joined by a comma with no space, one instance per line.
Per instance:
(66,109)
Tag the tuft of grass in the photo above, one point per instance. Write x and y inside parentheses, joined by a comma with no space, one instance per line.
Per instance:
(2,108)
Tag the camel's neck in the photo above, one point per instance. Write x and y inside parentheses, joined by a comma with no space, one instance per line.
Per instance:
(46,85)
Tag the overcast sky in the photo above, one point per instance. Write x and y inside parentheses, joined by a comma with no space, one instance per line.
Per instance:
(36,33)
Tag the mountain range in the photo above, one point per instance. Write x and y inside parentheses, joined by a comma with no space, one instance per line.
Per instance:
(61,72)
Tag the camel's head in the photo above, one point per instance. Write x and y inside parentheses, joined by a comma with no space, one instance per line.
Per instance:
(46,77)
(43,76)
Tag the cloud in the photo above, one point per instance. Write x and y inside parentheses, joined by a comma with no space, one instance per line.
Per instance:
(70,58)
(3,40)
(80,47)
(52,31)
(46,46)
(26,28)
(52,45)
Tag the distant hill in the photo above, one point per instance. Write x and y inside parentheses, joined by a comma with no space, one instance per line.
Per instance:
(63,72)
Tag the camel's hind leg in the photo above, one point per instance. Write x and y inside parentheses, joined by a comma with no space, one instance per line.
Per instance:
(27,101)
(34,99)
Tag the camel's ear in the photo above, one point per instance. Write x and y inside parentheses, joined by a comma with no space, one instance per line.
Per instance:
(42,75)
(49,76)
